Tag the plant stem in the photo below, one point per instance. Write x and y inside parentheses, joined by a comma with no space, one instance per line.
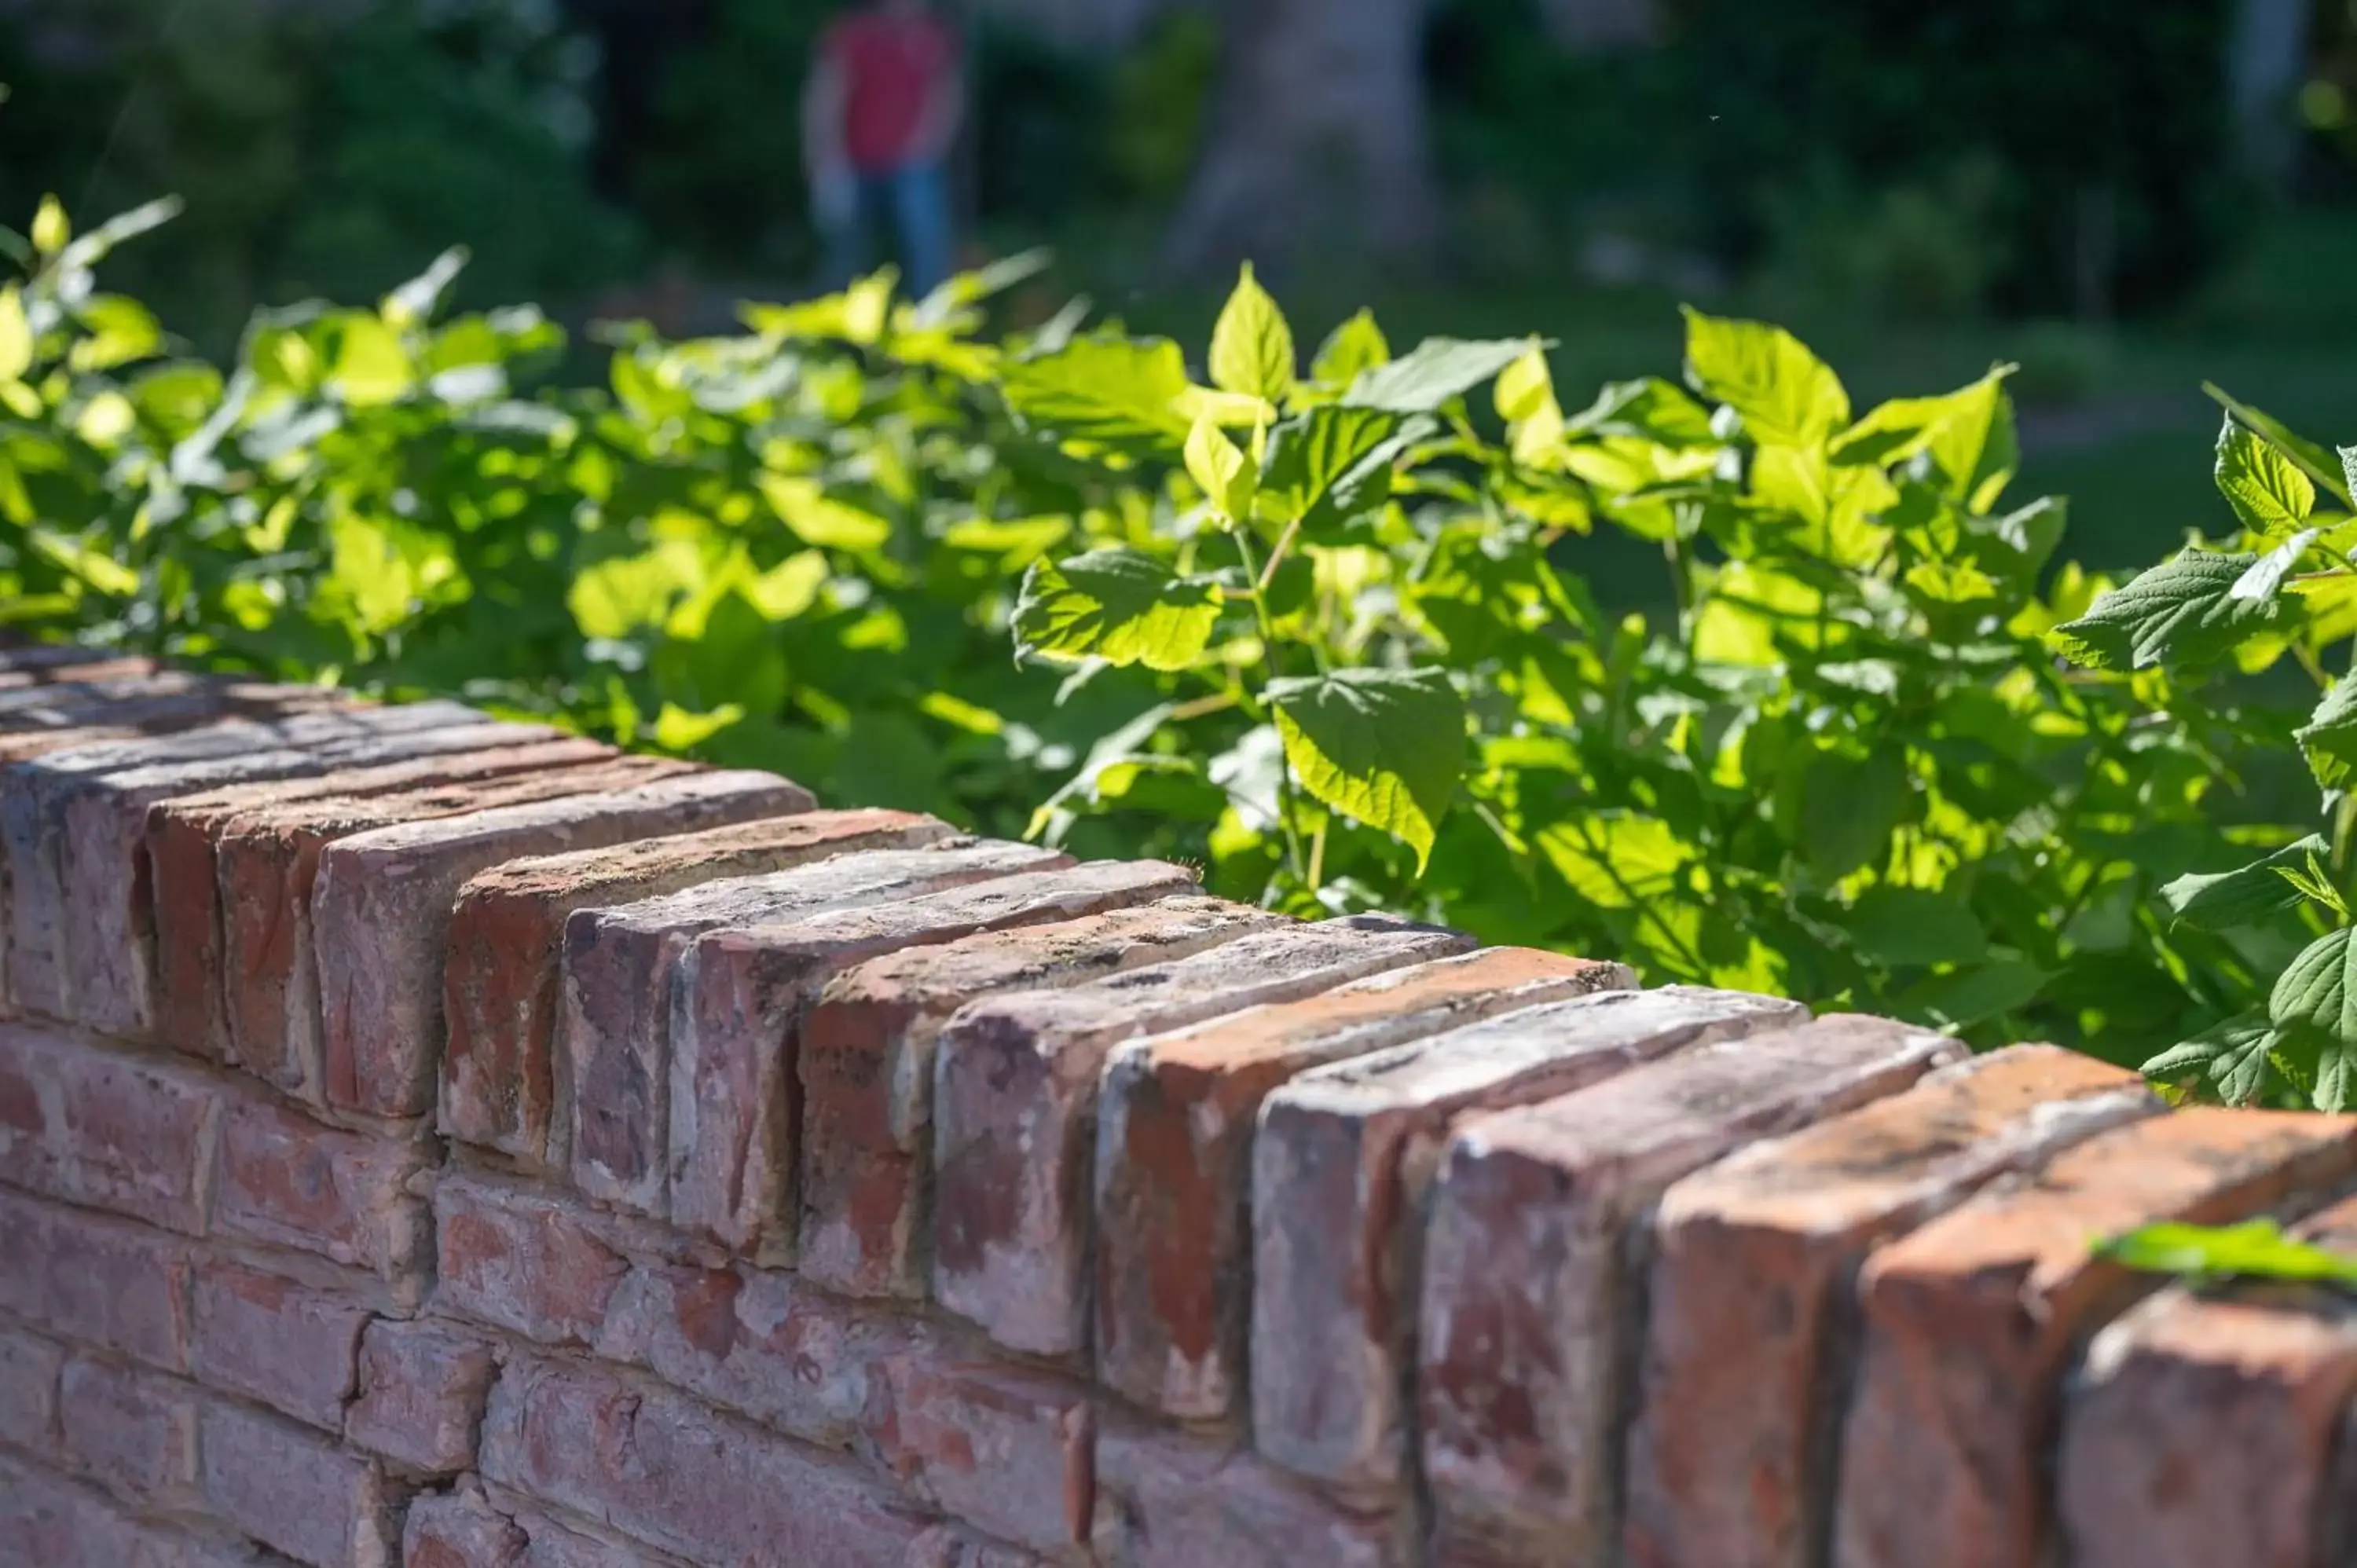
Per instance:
(1288,806)
(1681,584)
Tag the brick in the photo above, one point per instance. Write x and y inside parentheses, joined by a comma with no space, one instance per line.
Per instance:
(1969,1322)
(34,662)
(518,1259)
(289,1182)
(619,965)
(132,1431)
(1014,1108)
(1174,1157)
(1341,1170)
(1732,1458)
(190,1008)
(274,1342)
(499,985)
(757,1341)
(735,1116)
(267,864)
(467,1529)
(666,1470)
(1535,1246)
(1166,1498)
(29,1366)
(422,1386)
(1008,1450)
(381,914)
(75,822)
(104,1130)
(2207,1428)
(94,1281)
(866,1068)
(293,1491)
(81,664)
(46,1521)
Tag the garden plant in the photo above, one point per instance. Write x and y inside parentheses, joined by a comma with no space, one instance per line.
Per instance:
(1314,614)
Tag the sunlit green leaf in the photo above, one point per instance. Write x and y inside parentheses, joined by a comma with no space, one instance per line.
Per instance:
(2267,490)
(1251,346)
(2184,611)
(2225,900)
(1440,370)
(2256,1249)
(820,520)
(2235,1055)
(1385,748)
(2330,737)
(1786,395)
(1103,390)
(1350,350)
(1118,605)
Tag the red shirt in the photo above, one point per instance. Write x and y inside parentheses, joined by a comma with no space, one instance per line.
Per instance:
(891,67)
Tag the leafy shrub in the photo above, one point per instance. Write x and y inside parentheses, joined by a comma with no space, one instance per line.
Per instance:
(2180,634)
(1318,626)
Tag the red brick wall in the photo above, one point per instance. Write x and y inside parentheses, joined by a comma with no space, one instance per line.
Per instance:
(433,1141)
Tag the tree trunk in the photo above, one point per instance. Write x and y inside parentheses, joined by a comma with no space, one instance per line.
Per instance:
(1318,139)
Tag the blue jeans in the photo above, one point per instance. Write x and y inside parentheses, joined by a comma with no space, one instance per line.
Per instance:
(915,200)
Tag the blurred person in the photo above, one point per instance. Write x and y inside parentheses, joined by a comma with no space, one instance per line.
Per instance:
(882,108)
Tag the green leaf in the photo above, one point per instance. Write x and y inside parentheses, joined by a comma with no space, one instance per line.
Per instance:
(625,595)
(1915,925)
(2267,490)
(676,729)
(15,336)
(1969,996)
(2315,461)
(372,367)
(2313,999)
(2184,611)
(414,302)
(1440,370)
(50,229)
(1104,391)
(818,519)
(1251,346)
(1118,605)
(1220,469)
(2267,574)
(1787,395)
(119,331)
(2236,1056)
(2228,899)
(2328,739)
(1614,860)
(1849,807)
(2256,1249)
(1350,350)
(1968,435)
(1385,748)
(1331,464)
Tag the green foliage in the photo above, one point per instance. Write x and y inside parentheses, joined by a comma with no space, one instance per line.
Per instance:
(2257,1250)
(1322,628)
(2197,624)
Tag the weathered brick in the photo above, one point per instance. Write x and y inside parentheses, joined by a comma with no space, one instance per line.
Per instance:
(294,1491)
(29,1366)
(1524,1349)
(104,1130)
(1970,1321)
(1731,1456)
(1174,1157)
(290,1182)
(518,1259)
(381,914)
(1341,1168)
(467,1529)
(75,831)
(38,661)
(46,1521)
(2210,1427)
(734,1114)
(274,1341)
(94,1281)
(666,1470)
(1008,1450)
(422,1386)
(133,1432)
(619,965)
(190,1010)
(1015,1107)
(267,863)
(500,986)
(1166,1498)
(867,1066)
(757,1341)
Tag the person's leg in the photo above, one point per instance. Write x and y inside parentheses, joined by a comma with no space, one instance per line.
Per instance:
(921,204)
